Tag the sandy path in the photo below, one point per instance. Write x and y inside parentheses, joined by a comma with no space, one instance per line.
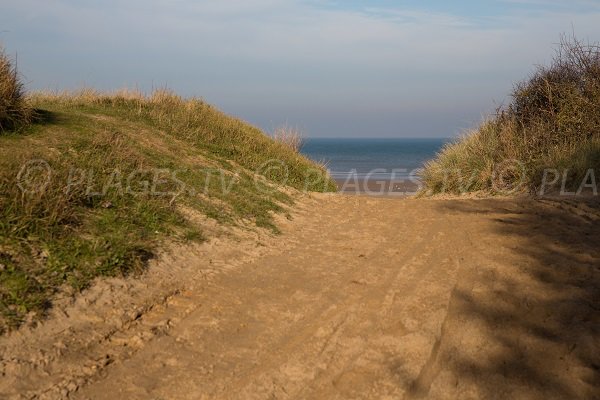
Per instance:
(361,298)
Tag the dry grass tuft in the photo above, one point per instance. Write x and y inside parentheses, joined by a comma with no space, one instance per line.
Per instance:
(14,110)
(290,137)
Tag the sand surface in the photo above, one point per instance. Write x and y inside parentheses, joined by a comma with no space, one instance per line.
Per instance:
(359,298)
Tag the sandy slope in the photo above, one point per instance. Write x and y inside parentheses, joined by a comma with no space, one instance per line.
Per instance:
(359,298)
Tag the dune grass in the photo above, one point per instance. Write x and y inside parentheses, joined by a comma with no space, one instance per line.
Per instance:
(289,136)
(551,124)
(99,181)
(14,109)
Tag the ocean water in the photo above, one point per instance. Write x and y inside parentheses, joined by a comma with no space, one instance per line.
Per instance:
(372,158)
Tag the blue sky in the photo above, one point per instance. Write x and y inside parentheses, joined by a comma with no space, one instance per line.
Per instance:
(333,68)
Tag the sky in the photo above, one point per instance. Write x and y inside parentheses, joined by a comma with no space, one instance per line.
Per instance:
(332,68)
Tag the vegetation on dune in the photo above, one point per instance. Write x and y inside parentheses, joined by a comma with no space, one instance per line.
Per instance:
(549,133)
(14,110)
(192,120)
(96,183)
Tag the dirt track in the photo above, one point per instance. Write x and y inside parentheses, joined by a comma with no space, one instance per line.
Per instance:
(359,298)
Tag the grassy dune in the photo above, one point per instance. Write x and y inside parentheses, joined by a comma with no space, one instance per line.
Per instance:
(96,182)
(547,138)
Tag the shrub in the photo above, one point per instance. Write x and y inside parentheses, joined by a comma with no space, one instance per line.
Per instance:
(14,111)
(552,121)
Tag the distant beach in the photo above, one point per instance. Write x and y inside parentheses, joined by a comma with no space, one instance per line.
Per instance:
(378,187)
(374,166)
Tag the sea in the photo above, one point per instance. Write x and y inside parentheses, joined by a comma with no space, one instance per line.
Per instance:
(358,164)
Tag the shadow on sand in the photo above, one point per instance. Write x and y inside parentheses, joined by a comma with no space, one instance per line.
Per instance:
(526,324)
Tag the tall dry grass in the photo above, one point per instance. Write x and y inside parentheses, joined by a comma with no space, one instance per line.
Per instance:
(552,122)
(14,109)
(289,136)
